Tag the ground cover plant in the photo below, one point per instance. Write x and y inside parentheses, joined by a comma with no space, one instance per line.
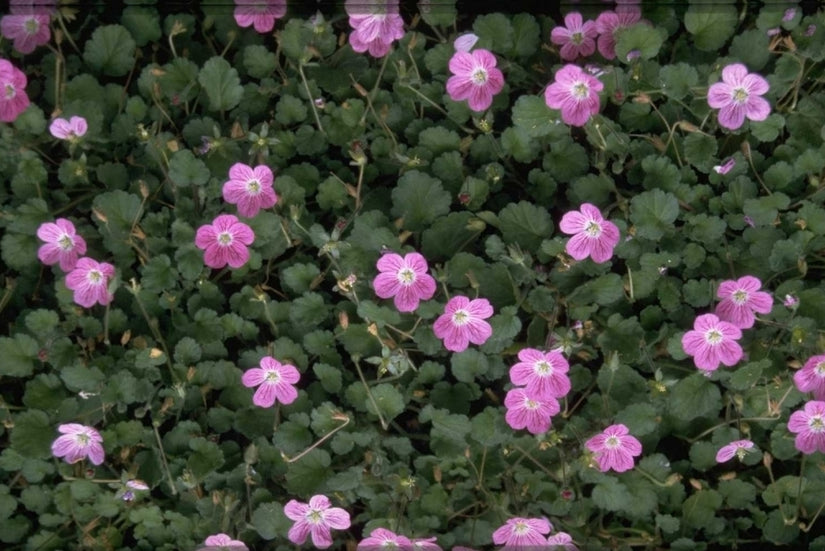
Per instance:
(378,277)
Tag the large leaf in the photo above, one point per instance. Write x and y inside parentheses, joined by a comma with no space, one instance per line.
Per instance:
(222,84)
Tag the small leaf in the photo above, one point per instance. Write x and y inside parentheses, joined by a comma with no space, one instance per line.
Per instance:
(653,213)
(641,37)
(221,82)
(694,396)
(419,199)
(525,224)
(19,355)
(185,169)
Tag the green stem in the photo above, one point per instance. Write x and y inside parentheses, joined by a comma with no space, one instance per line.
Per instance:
(163,459)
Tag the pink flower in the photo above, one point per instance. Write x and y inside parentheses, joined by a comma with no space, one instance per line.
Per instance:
(70,130)
(406,279)
(276,382)
(725,167)
(790,301)
(614,448)
(740,299)
(249,188)
(577,38)
(13,98)
(261,14)
(77,443)
(381,538)
(561,541)
(89,280)
(222,542)
(593,236)
(809,426)
(736,448)
(225,242)
(523,532)
(463,323)
(530,411)
(376,24)
(543,373)
(738,96)
(474,78)
(315,518)
(811,378)
(712,341)
(27,30)
(465,42)
(609,22)
(63,245)
(426,544)
(575,93)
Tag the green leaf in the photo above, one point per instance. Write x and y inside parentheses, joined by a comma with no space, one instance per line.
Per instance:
(532,116)
(746,376)
(270,521)
(442,13)
(711,28)
(185,169)
(159,274)
(700,508)
(700,150)
(449,234)
(506,325)
(525,224)
(449,431)
(526,35)
(294,38)
(764,210)
(640,419)
(179,81)
(468,365)
(641,37)
(439,140)
(737,493)
(653,213)
(494,32)
(143,24)
(707,230)
(308,474)
(298,278)
(611,495)
(390,402)
(290,110)
(751,47)
(221,82)
(110,50)
(769,129)
(329,376)
(19,355)
(259,61)
(419,199)
(516,141)
(678,79)
(694,396)
(778,531)
(566,161)
(382,315)
(489,428)
(32,434)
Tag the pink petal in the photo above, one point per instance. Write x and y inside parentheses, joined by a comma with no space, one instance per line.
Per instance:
(253,377)
(734,74)
(719,95)
(573,222)
(337,518)
(757,108)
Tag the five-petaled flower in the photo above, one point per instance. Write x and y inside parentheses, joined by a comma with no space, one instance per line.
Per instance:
(577,37)
(13,98)
(78,442)
(544,374)
(809,426)
(250,189)
(381,539)
(739,96)
(463,323)
(28,30)
(609,22)
(376,24)
(222,542)
(811,378)
(225,241)
(736,448)
(406,279)
(593,236)
(711,342)
(529,411)
(89,279)
(315,519)
(519,533)
(62,244)
(614,448)
(69,130)
(740,299)
(275,382)
(575,93)
(474,78)
(260,14)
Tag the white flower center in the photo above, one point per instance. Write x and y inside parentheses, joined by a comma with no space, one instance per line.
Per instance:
(521,528)
(739,95)
(253,187)
(31,26)
(580,90)
(82,439)
(713,337)
(593,229)
(95,277)
(612,442)
(65,242)
(739,297)
(819,369)
(272,376)
(225,239)
(406,276)
(10,91)
(531,404)
(543,367)
(314,516)
(577,38)
(461,317)
(816,424)
(479,76)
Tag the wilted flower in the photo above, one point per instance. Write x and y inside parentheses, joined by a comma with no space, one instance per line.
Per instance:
(790,301)
(315,518)
(577,37)
(260,14)
(575,93)
(711,342)
(474,78)
(725,167)
(739,96)
(89,280)
(78,442)
(614,448)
